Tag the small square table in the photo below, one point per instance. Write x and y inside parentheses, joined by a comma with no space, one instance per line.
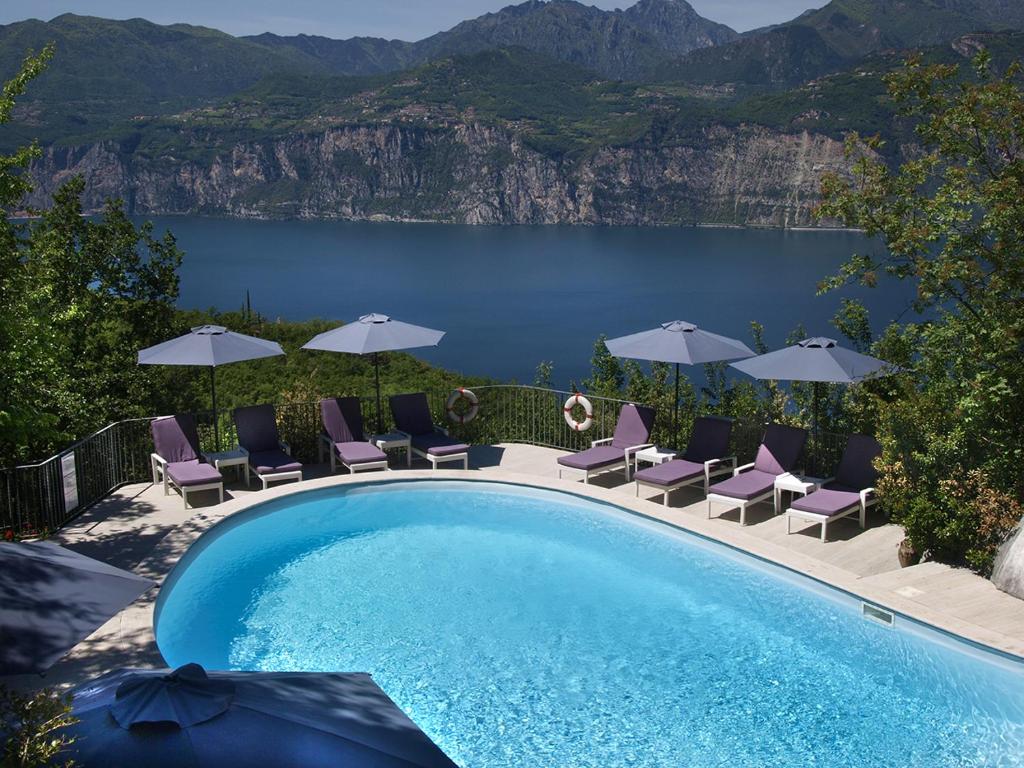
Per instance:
(794,483)
(395,440)
(652,455)
(233,458)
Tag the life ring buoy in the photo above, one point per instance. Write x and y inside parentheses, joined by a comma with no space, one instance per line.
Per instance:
(588,409)
(461,393)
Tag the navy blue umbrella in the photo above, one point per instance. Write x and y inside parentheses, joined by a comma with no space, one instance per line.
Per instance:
(210,346)
(159,718)
(51,599)
(678,342)
(372,334)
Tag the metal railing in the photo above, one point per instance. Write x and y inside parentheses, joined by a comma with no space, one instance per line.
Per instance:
(36,499)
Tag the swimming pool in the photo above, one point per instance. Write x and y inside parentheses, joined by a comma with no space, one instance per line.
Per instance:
(525,627)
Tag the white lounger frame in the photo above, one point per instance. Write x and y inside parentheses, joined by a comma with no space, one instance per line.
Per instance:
(435,460)
(329,445)
(159,466)
(627,460)
(712,469)
(731,501)
(867,499)
(273,477)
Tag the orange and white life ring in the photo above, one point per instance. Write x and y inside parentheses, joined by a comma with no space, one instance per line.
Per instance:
(588,409)
(461,393)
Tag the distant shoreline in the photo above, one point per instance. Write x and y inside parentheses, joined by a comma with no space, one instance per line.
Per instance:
(23,216)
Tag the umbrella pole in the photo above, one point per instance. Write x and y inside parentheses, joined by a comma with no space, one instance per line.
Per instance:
(376,373)
(675,415)
(213,400)
(814,423)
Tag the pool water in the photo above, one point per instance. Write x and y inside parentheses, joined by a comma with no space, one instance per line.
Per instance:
(521,627)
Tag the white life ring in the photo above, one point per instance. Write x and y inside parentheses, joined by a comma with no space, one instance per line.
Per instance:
(461,393)
(588,409)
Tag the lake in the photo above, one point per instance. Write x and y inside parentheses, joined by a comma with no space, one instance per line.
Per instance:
(510,297)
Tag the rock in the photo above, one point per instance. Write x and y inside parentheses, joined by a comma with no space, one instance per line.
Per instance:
(464,172)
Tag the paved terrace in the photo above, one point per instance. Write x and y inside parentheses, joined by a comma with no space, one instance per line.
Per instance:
(140,529)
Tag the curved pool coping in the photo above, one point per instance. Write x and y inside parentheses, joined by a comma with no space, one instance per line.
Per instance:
(135,628)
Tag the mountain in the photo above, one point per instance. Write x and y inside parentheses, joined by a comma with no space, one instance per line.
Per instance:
(497,137)
(619,44)
(839,35)
(108,71)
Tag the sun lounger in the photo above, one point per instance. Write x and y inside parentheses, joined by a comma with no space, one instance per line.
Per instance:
(269,456)
(850,492)
(412,417)
(176,459)
(632,434)
(343,436)
(704,459)
(779,451)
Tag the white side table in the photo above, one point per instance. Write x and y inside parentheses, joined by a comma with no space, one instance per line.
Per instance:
(652,455)
(794,484)
(395,440)
(233,458)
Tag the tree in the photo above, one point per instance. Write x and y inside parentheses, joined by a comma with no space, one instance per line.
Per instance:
(80,297)
(31,728)
(952,218)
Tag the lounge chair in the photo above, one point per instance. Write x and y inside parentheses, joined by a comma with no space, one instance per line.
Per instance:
(851,491)
(176,459)
(632,434)
(412,417)
(704,459)
(269,456)
(780,449)
(344,439)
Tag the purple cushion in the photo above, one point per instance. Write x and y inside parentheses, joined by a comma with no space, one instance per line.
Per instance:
(359,452)
(780,449)
(438,445)
(827,501)
(257,428)
(710,439)
(671,472)
(186,473)
(342,418)
(175,438)
(633,427)
(412,413)
(592,458)
(856,469)
(272,462)
(745,485)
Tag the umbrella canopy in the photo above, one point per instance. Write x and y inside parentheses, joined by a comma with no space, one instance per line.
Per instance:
(817,359)
(371,334)
(375,333)
(51,599)
(678,342)
(187,717)
(210,346)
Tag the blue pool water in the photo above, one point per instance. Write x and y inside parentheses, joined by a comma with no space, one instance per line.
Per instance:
(521,627)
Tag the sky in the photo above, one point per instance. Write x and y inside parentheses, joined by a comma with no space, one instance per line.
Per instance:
(402,19)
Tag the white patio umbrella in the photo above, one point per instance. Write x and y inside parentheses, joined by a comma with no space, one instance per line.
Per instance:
(210,346)
(372,334)
(678,342)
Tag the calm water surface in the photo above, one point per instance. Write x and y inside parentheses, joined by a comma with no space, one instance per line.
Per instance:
(510,297)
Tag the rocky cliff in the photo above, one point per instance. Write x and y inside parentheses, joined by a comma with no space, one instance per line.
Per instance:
(463,172)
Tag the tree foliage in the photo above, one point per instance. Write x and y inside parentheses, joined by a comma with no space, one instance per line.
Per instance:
(952,218)
(31,729)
